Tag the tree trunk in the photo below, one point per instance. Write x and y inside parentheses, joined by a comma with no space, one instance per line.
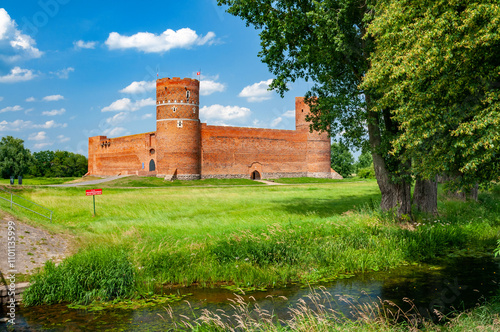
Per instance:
(425,196)
(462,194)
(395,196)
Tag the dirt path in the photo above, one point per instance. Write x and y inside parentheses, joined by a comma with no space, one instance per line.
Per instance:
(33,247)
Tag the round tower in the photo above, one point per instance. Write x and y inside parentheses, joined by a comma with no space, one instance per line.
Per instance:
(178,135)
(318,144)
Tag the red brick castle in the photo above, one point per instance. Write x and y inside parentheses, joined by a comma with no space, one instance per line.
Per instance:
(183,148)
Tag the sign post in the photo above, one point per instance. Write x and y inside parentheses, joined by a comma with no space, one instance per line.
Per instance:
(93,193)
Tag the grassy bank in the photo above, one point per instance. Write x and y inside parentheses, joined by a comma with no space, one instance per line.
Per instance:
(260,235)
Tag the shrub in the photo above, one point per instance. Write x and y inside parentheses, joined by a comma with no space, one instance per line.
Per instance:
(367,173)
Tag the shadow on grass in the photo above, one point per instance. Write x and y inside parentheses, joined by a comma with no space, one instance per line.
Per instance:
(326,207)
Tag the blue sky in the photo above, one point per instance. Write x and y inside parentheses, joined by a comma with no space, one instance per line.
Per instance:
(70,69)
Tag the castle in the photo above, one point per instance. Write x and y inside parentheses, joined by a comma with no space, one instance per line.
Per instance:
(183,148)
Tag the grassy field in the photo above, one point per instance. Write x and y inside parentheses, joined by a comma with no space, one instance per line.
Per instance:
(37,181)
(250,236)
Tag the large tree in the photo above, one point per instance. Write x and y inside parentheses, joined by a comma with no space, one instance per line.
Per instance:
(15,159)
(327,42)
(437,67)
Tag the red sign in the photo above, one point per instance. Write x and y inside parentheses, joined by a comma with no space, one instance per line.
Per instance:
(92,192)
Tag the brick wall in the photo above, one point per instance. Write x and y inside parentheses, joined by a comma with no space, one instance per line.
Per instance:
(122,155)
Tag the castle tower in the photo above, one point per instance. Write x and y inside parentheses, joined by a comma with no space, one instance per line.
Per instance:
(178,135)
(318,144)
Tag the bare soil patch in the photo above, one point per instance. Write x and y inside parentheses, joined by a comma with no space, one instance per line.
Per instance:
(34,246)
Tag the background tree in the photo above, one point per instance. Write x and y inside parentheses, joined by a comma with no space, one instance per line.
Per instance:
(365,160)
(437,67)
(342,160)
(15,159)
(327,42)
(58,164)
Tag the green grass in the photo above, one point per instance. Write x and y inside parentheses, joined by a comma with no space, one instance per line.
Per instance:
(306,180)
(136,181)
(37,181)
(260,236)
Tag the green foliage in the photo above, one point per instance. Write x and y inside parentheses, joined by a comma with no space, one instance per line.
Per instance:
(365,160)
(95,274)
(58,164)
(367,172)
(15,160)
(342,160)
(436,68)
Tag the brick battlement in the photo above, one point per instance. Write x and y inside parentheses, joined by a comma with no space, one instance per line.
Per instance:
(182,147)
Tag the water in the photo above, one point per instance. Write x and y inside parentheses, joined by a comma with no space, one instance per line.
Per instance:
(460,284)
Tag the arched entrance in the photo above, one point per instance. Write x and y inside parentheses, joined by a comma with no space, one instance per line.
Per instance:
(255,175)
(152,165)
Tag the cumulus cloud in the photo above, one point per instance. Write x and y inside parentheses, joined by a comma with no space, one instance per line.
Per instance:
(151,43)
(147,116)
(257,92)
(16,125)
(79,44)
(40,136)
(14,45)
(18,74)
(125,104)
(276,121)
(54,112)
(30,99)
(53,98)
(11,109)
(50,124)
(118,118)
(116,131)
(289,114)
(138,87)
(207,87)
(219,112)
(62,138)
(42,145)
(63,73)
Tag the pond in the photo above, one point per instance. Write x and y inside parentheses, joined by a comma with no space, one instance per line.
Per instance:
(459,284)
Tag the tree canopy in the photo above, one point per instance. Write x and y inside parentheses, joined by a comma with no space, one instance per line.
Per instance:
(342,160)
(15,159)
(436,66)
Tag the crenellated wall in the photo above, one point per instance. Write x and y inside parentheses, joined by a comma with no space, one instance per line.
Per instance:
(184,148)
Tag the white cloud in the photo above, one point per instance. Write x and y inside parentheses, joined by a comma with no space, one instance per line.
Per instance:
(50,124)
(138,87)
(207,87)
(30,99)
(118,118)
(257,92)
(63,73)
(219,112)
(18,75)
(54,112)
(82,44)
(53,98)
(14,45)
(62,139)
(276,121)
(115,132)
(125,104)
(289,114)
(42,145)
(16,125)
(11,109)
(1,98)
(151,43)
(40,136)
(147,116)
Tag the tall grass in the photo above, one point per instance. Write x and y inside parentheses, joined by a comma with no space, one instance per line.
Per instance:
(96,274)
(259,236)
